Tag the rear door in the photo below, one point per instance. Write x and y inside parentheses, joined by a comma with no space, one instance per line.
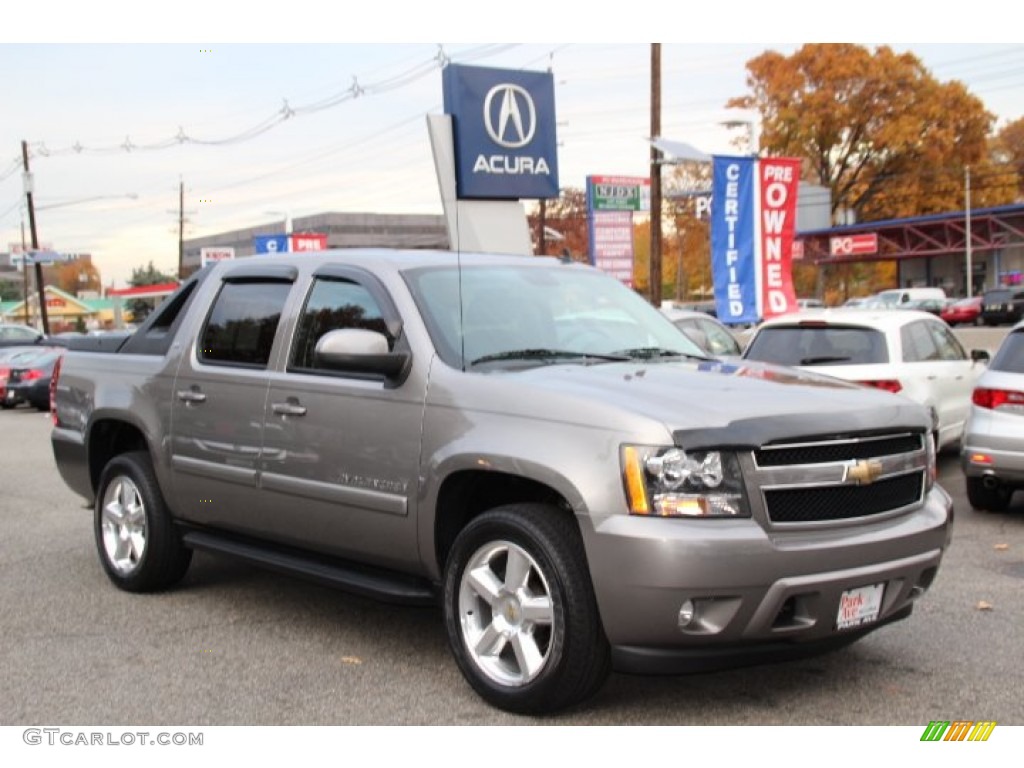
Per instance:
(941,368)
(341,451)
(219,397)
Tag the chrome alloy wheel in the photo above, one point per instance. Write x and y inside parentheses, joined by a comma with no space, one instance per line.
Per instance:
(506,614)
(123,524)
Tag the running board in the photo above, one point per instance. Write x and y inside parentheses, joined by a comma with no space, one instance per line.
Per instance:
(378,584)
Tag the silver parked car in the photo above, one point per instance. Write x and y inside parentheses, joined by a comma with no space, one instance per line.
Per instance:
(707,332)
(993,450)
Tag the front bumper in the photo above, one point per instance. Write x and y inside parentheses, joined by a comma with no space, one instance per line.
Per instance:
(755,593)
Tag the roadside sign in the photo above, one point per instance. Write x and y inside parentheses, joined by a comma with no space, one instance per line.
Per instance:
(271,244)
(211,255)
(619,193)
(308,242)
(863,244)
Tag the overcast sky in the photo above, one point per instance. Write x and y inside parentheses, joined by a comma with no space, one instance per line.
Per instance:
(105,116)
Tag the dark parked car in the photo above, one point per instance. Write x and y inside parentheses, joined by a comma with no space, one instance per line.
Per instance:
(28,378)
(1003,305)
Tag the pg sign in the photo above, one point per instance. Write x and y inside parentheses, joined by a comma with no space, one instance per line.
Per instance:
(504,131)
(864,244)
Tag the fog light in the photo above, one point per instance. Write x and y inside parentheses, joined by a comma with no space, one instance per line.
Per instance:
(686,613)
(980,458)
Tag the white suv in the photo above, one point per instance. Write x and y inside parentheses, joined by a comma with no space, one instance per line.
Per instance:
(902,351)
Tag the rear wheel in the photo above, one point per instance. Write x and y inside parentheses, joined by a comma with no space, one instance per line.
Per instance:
(994,498)
(520,611)
(138,545)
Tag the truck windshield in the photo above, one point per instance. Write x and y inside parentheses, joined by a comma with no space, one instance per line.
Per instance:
(493,313)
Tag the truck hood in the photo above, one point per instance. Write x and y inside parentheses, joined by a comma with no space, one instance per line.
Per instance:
(723,403)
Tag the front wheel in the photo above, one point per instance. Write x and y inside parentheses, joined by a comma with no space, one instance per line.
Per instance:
(520,611)
(137,542)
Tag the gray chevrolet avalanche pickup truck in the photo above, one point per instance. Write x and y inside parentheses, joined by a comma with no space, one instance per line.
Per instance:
(526,442)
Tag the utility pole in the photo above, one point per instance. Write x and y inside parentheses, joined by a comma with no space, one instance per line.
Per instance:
(968,267)
(181,229)
(542,244)
(655,268)
(35,241)
(24,272)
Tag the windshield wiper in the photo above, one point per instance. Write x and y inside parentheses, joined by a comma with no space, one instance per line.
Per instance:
(546,354)
(649,353)
(823,359)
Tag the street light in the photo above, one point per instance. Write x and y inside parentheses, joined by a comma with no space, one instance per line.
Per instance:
(753,147)
(287,219)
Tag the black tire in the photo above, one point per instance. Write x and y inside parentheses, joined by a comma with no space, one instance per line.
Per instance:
(138,545)
(551,617)
(995,499)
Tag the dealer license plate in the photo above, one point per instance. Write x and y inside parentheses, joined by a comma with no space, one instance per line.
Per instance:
(859,606)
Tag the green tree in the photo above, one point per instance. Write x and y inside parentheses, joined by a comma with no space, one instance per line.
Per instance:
(148,275)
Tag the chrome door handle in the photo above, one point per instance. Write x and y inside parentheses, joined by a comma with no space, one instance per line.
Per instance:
(289,409)
(191,396)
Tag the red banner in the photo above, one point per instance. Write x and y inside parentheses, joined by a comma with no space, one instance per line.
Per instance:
(308,242)
(779,178)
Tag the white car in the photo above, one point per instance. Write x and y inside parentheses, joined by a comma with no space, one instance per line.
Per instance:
(911,353)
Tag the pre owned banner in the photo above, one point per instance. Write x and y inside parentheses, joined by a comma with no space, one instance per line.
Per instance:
(753,221)
(779,177)
(733,241)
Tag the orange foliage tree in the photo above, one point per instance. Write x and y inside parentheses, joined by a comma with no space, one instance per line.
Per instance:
(876,128)
(566,216)
(1008,151)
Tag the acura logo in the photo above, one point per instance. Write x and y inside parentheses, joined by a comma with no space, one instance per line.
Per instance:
(516,120)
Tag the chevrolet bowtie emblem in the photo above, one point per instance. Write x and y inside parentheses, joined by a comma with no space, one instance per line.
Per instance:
(863,472)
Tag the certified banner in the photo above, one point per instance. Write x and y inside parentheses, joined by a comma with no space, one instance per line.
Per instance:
(734,243)
(779,177)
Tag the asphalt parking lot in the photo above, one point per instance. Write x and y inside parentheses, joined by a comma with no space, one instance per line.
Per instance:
(235,646)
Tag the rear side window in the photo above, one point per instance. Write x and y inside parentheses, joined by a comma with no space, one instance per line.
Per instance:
(241,326)
(818,345)
(1010,357)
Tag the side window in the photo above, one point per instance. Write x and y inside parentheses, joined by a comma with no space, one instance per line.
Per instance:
(333,304)
(918,344)
(948,346)
(241,326)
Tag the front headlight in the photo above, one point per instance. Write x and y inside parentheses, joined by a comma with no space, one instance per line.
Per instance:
(671,482)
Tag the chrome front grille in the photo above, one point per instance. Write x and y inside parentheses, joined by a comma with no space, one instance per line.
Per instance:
(841,478)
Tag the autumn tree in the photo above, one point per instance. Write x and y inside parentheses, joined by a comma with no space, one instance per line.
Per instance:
(566,215)
(876,128)
(74,276)
(1008,152)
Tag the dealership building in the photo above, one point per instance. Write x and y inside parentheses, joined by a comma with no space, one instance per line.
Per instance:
(342,230)
(932,250)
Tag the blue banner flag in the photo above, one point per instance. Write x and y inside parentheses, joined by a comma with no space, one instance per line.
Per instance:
(733,241)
